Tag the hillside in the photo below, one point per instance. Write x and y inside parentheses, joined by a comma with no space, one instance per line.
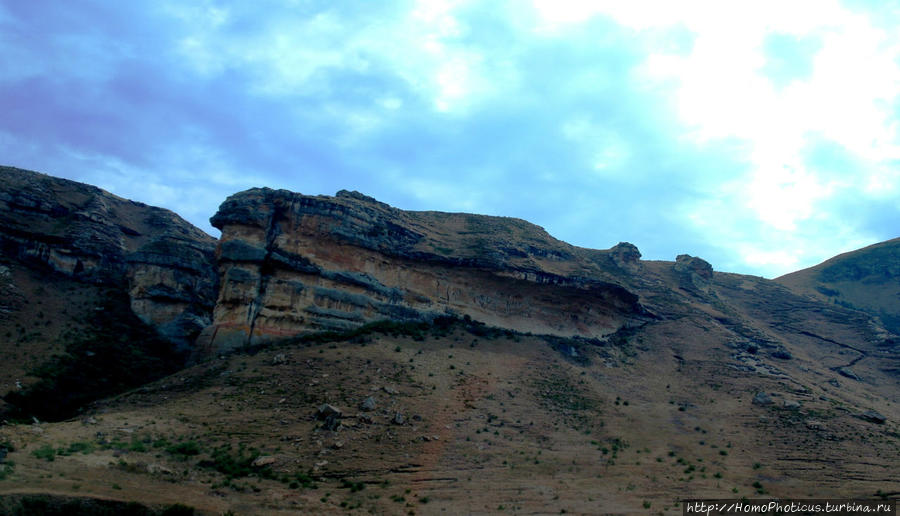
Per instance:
(867,279)
(360,359)
(97,293)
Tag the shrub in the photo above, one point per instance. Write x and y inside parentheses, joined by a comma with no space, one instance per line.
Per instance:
(45,452)
(185,449)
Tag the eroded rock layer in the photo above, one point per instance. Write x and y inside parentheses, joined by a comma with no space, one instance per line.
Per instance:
(165,264)
(291,264)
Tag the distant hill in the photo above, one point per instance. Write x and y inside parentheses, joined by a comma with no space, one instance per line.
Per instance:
(867,279)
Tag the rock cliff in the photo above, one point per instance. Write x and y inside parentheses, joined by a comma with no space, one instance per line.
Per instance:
(165,264)
(291,264)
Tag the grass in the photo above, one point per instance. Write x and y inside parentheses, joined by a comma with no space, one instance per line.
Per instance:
(237,464)
(45,452)
(354,487)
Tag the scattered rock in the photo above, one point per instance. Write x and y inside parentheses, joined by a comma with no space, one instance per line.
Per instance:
(843,371)
(364,418)
(815,425)
(834,382)
(331,416)
(263,460)
(873,417)
(279,359)
(782,354)
(326,409)
(337,445)
(368,404)
(792,404)
(398,418)
(762,399)
(158,469)
(390,390)
(89,421)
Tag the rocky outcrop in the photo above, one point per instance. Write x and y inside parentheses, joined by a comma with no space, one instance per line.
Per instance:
(626,256)
(165,264)
(694,272)
(291,264)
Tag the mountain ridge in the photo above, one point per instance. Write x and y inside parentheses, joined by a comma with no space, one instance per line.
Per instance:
(358,358)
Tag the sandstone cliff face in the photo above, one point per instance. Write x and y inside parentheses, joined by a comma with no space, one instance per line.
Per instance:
(291,264)
(165,264)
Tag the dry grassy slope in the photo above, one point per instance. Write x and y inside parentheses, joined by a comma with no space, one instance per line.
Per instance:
(867,279)
(38,311)
(496,425)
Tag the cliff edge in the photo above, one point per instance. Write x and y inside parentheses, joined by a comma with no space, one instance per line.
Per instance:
(292,264)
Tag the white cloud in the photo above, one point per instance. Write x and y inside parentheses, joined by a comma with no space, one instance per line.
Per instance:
(721,94)
(289,52)
(607,150)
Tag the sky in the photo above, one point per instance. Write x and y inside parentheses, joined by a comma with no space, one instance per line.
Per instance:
(761,136)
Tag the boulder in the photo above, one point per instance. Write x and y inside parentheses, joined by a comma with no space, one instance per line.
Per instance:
(782,354)
(873,417)
(367,405)
(327,410)
(847,373)
(792,404)
(330,415)
(762,399)
(263,460)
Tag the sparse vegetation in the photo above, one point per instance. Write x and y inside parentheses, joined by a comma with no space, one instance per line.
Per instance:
(184,449)
(120,351)
(45,452)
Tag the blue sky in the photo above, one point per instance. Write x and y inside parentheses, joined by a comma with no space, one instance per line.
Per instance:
(762,136)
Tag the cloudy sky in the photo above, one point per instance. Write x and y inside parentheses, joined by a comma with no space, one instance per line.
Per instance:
(762,136)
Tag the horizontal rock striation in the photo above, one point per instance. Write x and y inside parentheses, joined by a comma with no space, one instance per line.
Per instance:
(166,265)
(291,264)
